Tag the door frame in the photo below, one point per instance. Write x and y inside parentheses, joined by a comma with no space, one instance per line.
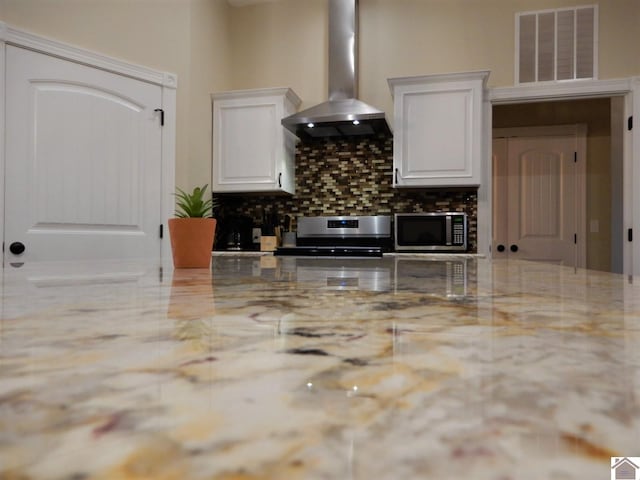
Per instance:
(629,89)
(168,82)
(579,132)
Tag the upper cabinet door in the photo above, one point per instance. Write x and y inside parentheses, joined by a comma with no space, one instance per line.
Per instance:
(252,152)
(438,122)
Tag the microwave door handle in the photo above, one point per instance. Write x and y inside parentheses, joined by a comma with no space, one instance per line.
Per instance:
(448,230)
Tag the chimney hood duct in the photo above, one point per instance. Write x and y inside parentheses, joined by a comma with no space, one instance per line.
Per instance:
(343,114)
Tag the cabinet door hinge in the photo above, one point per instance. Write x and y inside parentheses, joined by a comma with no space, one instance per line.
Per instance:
(161,231)
(161,116)
(630,123)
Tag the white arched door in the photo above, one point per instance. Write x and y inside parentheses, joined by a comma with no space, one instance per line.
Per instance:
(83,175)
(539,194)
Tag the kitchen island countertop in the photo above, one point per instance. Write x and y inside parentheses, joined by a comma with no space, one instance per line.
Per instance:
(283,368)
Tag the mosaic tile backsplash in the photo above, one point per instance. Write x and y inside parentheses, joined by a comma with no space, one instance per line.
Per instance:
(352,176)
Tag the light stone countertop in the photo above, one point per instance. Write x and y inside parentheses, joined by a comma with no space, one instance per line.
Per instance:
(292,368)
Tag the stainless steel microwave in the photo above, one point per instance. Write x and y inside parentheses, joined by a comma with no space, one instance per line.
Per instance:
(431,232)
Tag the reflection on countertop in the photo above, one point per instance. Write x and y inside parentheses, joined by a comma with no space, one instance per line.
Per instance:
(448,276)
(267,367)
(341,274)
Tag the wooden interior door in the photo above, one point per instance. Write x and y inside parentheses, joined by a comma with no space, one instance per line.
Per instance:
(539,207)
(83,162)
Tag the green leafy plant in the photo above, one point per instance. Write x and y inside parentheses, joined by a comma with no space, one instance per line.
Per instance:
(193,204)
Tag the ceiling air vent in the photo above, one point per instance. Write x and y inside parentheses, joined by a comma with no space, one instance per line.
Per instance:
(554,45)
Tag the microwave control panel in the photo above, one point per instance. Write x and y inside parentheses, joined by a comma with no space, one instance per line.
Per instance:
(458,230)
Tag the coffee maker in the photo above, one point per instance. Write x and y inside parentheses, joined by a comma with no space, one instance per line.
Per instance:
(235,233)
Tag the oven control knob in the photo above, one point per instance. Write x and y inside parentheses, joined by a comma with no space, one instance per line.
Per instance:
(500,248)
(513,248)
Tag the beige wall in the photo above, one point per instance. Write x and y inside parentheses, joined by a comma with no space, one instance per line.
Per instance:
(284,43)
(209,72)
(185,37)
(281,44)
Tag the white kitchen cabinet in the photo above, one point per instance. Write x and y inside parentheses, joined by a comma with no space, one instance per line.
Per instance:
(438,129)
(252,152)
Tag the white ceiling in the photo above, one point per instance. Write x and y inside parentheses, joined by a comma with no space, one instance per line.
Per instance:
(242,3)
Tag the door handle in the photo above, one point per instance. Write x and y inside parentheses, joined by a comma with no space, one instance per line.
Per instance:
(396,176)
(500,248)
(17,248)
(280,180)
(513,248)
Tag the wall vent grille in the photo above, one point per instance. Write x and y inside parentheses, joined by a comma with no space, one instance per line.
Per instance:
(557,45)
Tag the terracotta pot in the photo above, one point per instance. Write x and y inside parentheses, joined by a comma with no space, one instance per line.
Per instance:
(192,241)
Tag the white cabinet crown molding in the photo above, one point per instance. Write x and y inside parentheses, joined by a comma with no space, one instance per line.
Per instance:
(438,77)
(21,38)
(288,93)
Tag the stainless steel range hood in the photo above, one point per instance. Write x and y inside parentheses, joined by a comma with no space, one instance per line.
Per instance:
(343,114)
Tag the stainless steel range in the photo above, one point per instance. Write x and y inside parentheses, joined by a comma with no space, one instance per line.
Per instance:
(340,236)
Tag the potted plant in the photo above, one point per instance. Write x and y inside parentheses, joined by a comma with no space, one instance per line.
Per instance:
(192,231)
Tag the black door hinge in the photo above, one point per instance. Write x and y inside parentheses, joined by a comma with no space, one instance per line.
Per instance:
(630,123)
(575,238)
(575,157)
(630,235)
(161,231)
(161,116)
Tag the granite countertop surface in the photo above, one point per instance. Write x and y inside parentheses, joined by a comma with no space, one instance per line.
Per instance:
(287,368)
